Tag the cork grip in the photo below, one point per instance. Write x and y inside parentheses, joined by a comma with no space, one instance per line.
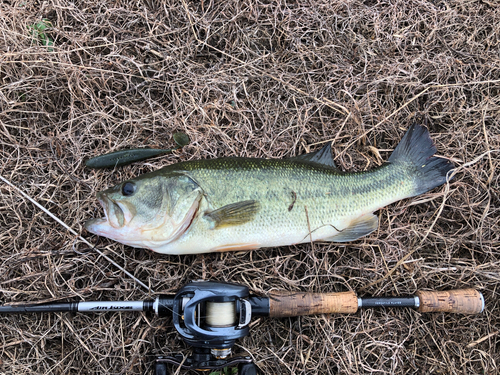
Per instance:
(294,304)
(463,301)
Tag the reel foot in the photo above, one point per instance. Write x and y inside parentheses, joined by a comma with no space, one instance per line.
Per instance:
(247,369)
(161,369)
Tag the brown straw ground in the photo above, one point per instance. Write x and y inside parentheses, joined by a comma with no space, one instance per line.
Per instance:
(261,79)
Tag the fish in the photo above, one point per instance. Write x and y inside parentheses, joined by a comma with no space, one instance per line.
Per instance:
(236,204)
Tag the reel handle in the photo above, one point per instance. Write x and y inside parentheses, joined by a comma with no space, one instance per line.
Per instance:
(462,301)
(289,304)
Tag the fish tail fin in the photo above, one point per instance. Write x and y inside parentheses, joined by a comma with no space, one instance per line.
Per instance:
(415,154)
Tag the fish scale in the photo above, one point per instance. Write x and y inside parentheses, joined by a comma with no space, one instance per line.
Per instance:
(332,199)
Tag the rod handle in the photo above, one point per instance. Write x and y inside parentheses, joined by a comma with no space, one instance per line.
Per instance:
(285,304)
(461,301)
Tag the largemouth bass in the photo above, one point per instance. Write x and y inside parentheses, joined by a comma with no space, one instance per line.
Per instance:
(230,204)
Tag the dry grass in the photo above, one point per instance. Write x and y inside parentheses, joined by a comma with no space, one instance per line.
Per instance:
(250,78)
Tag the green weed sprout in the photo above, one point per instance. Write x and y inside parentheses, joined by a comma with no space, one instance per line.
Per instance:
(38,33)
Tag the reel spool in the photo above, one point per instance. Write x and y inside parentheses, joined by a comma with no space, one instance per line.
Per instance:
(220,314)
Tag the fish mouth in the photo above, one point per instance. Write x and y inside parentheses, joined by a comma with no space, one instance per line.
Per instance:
(114,215)
(94,225)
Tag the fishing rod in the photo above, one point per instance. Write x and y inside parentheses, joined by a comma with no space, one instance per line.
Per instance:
(210,316)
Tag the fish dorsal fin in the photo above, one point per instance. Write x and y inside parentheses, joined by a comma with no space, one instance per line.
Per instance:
(234,214)
(358,228)
(322,156)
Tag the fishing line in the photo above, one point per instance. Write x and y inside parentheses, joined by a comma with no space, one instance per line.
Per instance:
(220,314)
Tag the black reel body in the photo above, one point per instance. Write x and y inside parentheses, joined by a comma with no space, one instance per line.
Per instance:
(212,315)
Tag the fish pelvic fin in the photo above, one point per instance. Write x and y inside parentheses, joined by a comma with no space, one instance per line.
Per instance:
(415,154)
(234,214)
(358,228)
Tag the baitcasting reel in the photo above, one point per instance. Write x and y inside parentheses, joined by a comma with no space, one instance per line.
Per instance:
(210,316)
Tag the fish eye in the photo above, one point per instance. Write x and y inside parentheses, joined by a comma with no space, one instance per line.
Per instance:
(128,189)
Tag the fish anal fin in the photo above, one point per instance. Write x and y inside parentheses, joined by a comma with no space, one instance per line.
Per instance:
(323,156)
(234,214)
(235,247)
(358,228)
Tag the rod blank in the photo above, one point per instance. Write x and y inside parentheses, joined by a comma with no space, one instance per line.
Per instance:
(91,306)
(44,307)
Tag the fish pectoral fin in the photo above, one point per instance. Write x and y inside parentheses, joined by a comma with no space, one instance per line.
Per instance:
(234,214)
(358,228)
